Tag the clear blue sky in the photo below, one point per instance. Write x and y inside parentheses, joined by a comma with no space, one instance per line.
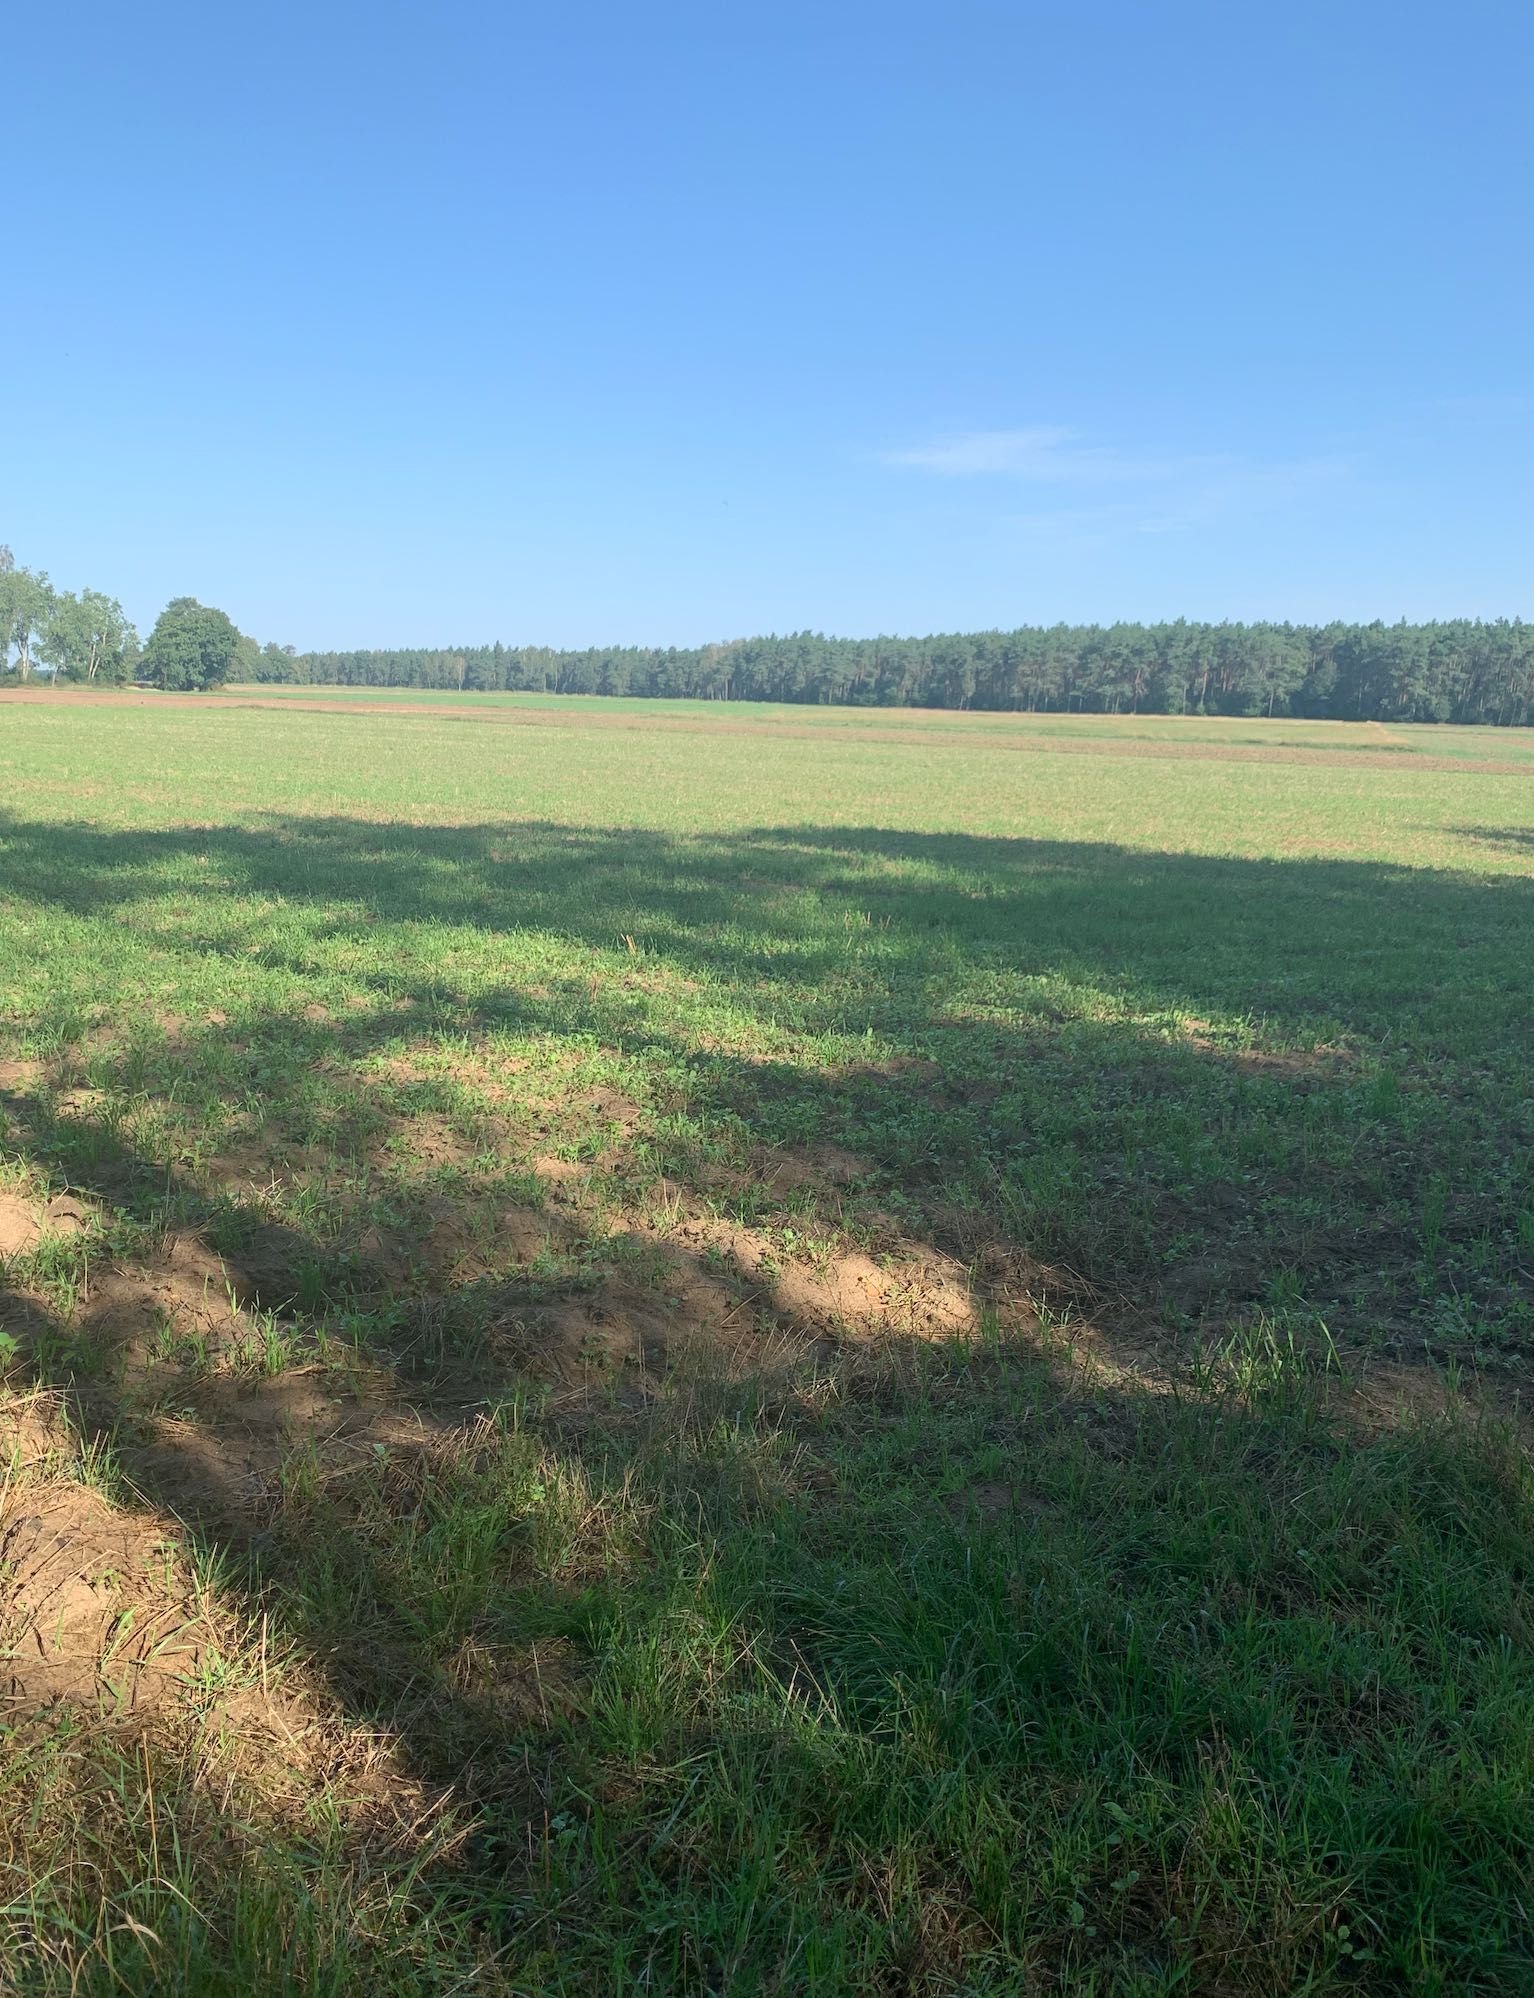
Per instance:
(569,323)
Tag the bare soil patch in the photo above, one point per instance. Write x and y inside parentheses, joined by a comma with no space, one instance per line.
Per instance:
(23,1223)
(102,1615)
(916,1291)
(463,1244)
(221,1460)
(815,1165)
(432,1141)
(1301,1066)
(188,1288)
(95,1609)
(611,1107)
(494,1080)
(19,1229)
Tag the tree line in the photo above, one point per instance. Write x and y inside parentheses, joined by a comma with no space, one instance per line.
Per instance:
(1461,669)
(86,638)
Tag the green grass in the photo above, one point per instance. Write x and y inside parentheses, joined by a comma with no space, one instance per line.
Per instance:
(876,1353)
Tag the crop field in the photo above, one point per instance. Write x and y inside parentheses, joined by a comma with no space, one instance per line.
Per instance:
(682,1348)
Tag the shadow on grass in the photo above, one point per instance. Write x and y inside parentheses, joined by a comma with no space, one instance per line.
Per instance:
(1197,1082)
(775,1661)
(1190,1691)
(1509,838)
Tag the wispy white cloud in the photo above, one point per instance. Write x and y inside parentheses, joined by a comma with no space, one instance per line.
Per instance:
(1047,453)
(1132,492)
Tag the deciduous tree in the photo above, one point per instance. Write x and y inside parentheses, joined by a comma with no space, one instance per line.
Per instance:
(87,637)
(25,599)
(192,647)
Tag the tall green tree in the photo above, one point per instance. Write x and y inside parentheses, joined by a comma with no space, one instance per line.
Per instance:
(246,664)
(280,663)
(87,637)
(26,597)
(192,647)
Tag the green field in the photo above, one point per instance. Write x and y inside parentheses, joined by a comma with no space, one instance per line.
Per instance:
(678,1348)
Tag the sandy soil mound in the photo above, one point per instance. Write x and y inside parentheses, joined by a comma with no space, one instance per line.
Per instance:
(96,1608)
(23,1223)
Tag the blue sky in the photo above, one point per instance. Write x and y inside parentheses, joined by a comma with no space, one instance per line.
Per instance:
(580,323)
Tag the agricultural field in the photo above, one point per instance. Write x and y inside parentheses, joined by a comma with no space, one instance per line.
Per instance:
(670,1347)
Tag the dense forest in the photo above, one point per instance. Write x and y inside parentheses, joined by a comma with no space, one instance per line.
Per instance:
(1461,670)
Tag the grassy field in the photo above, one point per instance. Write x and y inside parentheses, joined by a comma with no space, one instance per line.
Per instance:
(664,1348)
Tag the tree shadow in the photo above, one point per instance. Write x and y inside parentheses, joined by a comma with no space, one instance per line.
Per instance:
(1177,927)
(994,1035)
(398,1535)
(1182,1077)
(1507,839)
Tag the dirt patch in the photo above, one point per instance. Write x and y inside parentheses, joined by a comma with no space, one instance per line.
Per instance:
(186,1291)
(32,1440)
(914,1074)
(561,1175)
(1300,1067)
(262,1161)
(95,1609)
(23,1224)
(19,1078)
(621,1326)
(1390,1394)
(918,1291)
(19,1229)
(992,1500)
(495,1081)
(1319,1064)
(722,1280)
(79,1102)
(464,1246)
(814,1165)
(432,1142)
(222,1460)
(64,1215)
(624,1326)
(101,1614)
(611,1107)
(923,1296)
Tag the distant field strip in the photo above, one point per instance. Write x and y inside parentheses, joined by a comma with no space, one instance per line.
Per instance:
(1484,750)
